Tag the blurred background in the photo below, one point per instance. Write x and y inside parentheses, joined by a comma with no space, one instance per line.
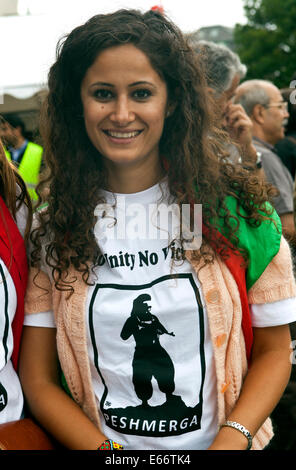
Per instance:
(260,31)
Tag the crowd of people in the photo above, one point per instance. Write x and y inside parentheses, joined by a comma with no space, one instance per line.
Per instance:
(118,331)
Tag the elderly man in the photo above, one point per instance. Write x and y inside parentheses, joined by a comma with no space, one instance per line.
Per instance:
(266,108)
(223,71)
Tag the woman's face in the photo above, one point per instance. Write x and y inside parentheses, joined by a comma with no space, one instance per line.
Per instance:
(124,103)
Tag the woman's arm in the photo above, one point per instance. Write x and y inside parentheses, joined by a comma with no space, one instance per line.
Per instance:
(263,386)
(47,401)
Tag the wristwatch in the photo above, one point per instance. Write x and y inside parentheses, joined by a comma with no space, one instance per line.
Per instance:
(257,165)
(259,160)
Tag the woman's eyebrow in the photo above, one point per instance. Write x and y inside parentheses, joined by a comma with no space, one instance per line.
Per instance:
(102,84)
(143,82)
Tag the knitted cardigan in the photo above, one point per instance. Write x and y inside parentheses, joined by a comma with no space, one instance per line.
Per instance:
(224,312)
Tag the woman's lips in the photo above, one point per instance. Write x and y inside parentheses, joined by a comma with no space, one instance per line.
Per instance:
(122,136)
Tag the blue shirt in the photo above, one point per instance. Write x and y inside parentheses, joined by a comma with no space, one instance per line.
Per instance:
(16,154)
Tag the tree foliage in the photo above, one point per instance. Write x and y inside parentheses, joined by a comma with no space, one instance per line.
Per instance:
(267,43)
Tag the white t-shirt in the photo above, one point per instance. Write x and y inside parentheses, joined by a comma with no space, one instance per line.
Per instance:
(11,396)
(149,345)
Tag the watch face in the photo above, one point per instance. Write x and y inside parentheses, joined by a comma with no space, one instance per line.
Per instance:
(259,160)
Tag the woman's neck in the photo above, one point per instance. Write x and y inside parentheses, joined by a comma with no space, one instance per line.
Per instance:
(129,180)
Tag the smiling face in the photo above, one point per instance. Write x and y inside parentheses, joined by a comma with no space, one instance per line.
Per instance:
(124,103)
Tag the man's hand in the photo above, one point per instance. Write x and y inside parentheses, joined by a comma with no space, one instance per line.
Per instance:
(238,124)
(239,127)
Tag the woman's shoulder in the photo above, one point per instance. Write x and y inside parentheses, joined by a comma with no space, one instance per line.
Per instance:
(269,219)
(259,240)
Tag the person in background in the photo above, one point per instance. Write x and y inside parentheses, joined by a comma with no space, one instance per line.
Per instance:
(264,104)
(15,222)
(286,147)
(25,155)
(269,108)
(134,137)
(224,71)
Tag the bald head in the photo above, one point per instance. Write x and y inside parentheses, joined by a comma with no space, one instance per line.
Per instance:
(253,92)
(263,102)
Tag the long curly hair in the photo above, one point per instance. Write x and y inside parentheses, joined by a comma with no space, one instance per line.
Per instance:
(13,190)
(191,145)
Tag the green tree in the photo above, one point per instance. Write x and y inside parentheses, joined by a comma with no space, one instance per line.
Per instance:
(267,43)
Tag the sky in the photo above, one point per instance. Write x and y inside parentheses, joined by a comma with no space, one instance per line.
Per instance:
(30,39)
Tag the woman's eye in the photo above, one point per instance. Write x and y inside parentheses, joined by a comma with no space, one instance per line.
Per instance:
(142,94)
(103,94)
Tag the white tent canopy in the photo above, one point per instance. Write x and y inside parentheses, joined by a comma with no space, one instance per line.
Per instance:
(8,7)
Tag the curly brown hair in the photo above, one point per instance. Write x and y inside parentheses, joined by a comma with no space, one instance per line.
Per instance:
(13,189)
(194,149)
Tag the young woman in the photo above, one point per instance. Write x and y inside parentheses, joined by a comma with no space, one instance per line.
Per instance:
(15,220)
(153,334)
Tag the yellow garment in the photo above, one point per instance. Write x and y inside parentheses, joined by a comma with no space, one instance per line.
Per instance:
(29,167)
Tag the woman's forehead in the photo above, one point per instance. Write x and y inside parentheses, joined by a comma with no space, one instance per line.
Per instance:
(122,62)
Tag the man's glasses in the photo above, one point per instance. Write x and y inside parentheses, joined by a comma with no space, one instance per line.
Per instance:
(283,105)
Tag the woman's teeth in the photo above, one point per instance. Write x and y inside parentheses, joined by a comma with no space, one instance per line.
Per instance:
(123,135)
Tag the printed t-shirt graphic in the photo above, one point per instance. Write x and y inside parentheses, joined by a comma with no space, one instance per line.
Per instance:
(149,342)
(150,358)
(11,397)
(152,400)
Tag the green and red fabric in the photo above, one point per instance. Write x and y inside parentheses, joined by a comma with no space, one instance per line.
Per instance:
(13,254)
(260,244)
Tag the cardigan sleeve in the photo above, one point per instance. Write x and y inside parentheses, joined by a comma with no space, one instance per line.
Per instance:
(39,292)
(39,289)
(277,282)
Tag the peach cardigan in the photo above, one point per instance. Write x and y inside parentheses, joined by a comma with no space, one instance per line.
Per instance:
(224,316)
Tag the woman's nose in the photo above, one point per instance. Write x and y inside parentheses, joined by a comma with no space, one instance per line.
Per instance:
(123,113)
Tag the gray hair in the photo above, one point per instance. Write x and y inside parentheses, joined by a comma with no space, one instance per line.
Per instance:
(253,92)
(220,63)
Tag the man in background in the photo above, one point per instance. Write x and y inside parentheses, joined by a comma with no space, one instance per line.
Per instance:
(25,155)
(265,106)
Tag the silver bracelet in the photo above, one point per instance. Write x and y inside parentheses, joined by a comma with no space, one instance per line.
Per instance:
(242,429)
